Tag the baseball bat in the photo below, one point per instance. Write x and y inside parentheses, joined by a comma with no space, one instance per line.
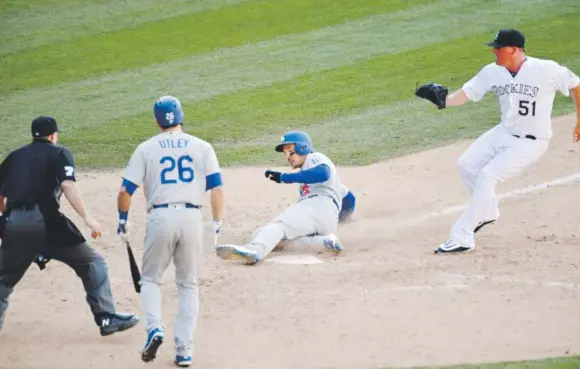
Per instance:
(135,274)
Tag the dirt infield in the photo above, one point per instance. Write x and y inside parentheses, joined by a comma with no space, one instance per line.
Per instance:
(387,301)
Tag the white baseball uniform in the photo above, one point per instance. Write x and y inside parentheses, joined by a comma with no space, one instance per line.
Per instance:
(174,168)
(520,139)
(315,212)
(311,241)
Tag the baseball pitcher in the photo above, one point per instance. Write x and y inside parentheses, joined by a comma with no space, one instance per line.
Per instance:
(315,213)
(525,87)
(176,169)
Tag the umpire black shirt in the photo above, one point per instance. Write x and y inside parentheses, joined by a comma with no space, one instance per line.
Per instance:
(32,175)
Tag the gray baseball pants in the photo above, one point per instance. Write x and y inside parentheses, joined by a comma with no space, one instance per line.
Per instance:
(173,233)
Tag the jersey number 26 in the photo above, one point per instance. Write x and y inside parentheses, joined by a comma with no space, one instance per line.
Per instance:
(184,172)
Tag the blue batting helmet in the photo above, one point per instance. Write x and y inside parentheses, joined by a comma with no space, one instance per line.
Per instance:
(301,140)
(168,111)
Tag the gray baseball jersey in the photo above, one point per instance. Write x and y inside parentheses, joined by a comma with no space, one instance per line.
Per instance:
(331,187)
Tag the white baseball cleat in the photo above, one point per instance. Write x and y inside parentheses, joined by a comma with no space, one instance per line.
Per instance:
(228,252)
(332,243)
(453,247)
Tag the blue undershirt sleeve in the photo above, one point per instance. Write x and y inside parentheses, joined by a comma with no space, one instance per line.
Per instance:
(317,174)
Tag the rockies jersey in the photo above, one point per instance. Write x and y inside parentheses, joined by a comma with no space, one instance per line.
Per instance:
(526,99)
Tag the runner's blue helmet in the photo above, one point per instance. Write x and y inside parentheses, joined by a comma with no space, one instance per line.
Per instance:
(300,139)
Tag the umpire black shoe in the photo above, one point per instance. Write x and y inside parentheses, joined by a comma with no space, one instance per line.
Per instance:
(117,322)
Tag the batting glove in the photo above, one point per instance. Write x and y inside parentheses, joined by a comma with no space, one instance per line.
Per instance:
(273,175)
(123,230)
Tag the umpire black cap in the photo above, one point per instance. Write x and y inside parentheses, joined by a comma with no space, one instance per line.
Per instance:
(508,37)
(43,126)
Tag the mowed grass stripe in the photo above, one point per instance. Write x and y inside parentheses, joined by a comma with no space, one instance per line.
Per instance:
(359,113)
(381,132)
(379,81)
(15,5)
(178,37)
(27,28)
(119,95)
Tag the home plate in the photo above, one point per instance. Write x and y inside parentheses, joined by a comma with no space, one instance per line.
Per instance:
(295,259)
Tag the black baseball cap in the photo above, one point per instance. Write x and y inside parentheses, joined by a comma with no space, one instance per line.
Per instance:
(508,37)
(43,126)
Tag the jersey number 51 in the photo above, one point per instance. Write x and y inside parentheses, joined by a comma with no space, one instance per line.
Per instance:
(184,170)
(524,108)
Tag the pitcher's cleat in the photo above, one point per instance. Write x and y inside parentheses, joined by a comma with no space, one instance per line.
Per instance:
(452,247)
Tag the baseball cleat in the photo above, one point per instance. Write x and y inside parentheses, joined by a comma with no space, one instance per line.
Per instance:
(182,361)
(154,340)
(482,224)
(117,322)
(452,247)
(229,252)
(332,243)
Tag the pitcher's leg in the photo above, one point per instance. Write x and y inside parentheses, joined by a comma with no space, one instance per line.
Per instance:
(483,205)
(92,269)
(477,156)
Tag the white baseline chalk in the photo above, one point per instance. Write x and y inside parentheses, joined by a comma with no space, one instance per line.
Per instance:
(514,193)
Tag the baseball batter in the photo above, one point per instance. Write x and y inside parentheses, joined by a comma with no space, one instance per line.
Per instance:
(315,213)
(525,87)
(176,169)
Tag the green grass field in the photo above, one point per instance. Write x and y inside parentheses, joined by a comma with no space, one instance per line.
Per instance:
(246,71)
(552,363)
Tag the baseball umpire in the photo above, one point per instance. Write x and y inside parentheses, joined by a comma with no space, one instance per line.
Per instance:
(32,180)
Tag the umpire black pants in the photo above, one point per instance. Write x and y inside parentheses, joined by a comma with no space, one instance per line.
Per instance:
(24,238)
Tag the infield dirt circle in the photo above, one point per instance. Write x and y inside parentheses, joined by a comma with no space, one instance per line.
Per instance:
(387,301)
